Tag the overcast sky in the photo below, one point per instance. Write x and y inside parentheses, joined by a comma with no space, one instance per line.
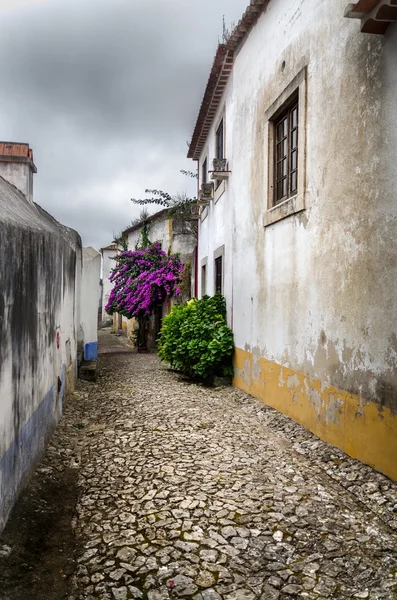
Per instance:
(106,92)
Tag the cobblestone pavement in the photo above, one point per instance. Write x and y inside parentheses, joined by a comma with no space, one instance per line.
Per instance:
(206,493)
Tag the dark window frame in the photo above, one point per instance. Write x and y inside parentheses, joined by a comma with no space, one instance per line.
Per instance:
(218,262)
(204,171)
(203,279)
(286,149)
(219,137)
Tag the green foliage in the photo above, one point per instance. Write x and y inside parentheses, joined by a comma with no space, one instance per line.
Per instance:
(120,240)
(195,339)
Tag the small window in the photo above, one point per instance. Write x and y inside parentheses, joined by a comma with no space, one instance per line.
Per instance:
(203,280)
(204,171)
(218,274)
(286,154)
(219,141)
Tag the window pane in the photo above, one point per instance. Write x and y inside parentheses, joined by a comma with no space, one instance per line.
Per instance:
(203,280)
(295,117)
(280,151)
(219,141)
(279,190)
(282,129)
(204,172)
(286,154)
(294,160)
(294,181)
(218,274)
(294,138)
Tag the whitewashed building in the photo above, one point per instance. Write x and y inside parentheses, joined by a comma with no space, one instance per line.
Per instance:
(300,233)
(49,289)
(175,236)
(108,263)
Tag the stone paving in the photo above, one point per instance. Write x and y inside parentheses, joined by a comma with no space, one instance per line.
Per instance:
(206,493)
(193,492)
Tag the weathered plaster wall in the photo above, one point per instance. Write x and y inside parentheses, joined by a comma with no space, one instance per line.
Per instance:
(89,299)
(316,293)
(158,231)
(39,294)
(175,238)
(216,224)
(19,174)
(107,265)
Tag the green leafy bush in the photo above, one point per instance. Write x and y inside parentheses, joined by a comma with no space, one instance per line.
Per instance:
(195,339)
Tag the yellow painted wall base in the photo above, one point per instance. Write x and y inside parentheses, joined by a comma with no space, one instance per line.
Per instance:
(360,428)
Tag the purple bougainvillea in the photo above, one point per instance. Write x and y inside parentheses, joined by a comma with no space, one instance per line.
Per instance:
(143,279)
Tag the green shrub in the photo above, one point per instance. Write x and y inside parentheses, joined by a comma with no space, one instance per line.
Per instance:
(195,339)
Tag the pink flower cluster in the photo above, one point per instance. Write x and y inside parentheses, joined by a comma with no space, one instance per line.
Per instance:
(142,280)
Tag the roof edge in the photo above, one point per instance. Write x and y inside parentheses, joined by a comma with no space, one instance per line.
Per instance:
(219,75)
(151,218)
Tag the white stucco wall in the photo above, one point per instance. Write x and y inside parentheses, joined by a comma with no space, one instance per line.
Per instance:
(19,174)
(174,237)
(315,292)
(89,301)
(158,231)
(107,265)
(40,271)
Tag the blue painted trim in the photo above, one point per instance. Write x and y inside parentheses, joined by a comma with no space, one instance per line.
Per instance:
(17,463)
(91,351)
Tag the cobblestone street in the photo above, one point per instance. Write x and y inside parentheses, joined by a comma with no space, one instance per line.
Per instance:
(205,493)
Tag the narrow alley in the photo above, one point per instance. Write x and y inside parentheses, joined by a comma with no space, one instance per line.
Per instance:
(168,489)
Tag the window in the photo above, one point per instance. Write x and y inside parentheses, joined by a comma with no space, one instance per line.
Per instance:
(203,280)
(204,171)
(219,141)
(285,151)
(286,154)
(219,147)
(218,274)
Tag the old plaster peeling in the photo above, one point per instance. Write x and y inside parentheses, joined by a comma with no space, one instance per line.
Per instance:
(281,380)
(247,372)
(293,383)
(314,399)
(362,403)
(256,367)
(353,369)
(333,410)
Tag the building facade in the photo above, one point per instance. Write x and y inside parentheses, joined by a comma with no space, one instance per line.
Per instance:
(108,255)
(300,232)
(175,236)
(45,320)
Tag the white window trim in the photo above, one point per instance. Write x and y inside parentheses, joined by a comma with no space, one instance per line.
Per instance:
(295,203)
(219,191)
(205,156)
(204,263)
(204,213)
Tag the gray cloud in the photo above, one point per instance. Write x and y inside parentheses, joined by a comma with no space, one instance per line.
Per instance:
(106,92)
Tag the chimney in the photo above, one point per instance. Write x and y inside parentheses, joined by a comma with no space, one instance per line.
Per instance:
(17,167)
